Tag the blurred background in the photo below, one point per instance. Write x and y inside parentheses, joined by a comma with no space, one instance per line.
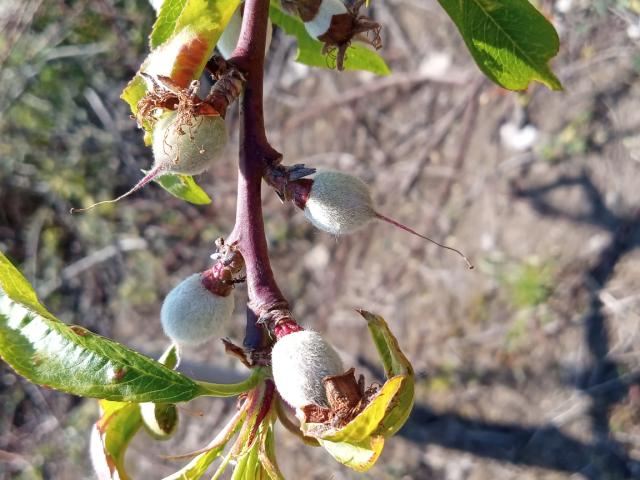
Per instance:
(527,367)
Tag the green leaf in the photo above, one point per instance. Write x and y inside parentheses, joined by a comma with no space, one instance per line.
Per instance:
(110,438)
(183,187)
(510,40)
(395,363)
(267,453)
(358,57)
(360,457)
(165,24)
(197,467)
(247,465)
(74,360)
(14,285)
(133,92)
(170,358)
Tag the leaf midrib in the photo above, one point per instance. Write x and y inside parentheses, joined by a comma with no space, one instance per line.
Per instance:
(500,29)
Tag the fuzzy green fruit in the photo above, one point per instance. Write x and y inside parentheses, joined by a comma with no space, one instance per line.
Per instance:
(189,149)
(339,203)
(191,314)
(300,361)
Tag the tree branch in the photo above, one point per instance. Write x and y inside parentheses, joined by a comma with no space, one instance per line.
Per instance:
(255,155)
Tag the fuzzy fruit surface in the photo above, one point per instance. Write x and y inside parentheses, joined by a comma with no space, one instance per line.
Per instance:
(191,314)
(338,203)
(191,148)
(299,362)
(159,419)
(320,24)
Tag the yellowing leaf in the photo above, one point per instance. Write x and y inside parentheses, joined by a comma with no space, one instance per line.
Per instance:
(360,457)
(110,438)
(367,421)
(395,363)
(182,41)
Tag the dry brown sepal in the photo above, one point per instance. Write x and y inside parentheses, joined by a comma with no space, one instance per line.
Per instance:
(343,29)
(347,397)
(166,95)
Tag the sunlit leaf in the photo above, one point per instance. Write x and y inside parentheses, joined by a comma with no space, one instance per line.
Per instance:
(199,465)
(18,288)
(170,358)
(248,465)
(182,41)
(358,57)
(360,457)
(267,453)
(110,438)
(394,363)
(160,420)
(510,40)
(133,92)
(73,359)
(165,23)
(183,187)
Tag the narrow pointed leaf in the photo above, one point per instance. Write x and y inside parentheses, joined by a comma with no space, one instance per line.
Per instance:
(248,466)
(170,358)
(510,40)
(110,438)
(183,187)
(358,57)
(267,453)
(199,465)
(74,360)
(394,363)
(359,457)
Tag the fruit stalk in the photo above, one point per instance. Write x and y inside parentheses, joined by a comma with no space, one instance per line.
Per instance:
(255,155)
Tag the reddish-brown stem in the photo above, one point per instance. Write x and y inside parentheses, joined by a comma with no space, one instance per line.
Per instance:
(255,155)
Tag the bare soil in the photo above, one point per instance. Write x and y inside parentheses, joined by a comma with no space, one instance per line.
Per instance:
(527,367)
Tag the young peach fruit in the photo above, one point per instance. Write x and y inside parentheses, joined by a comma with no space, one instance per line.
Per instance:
(300,360)
(340,204)
(188,149)
(192,314)
(185,149)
